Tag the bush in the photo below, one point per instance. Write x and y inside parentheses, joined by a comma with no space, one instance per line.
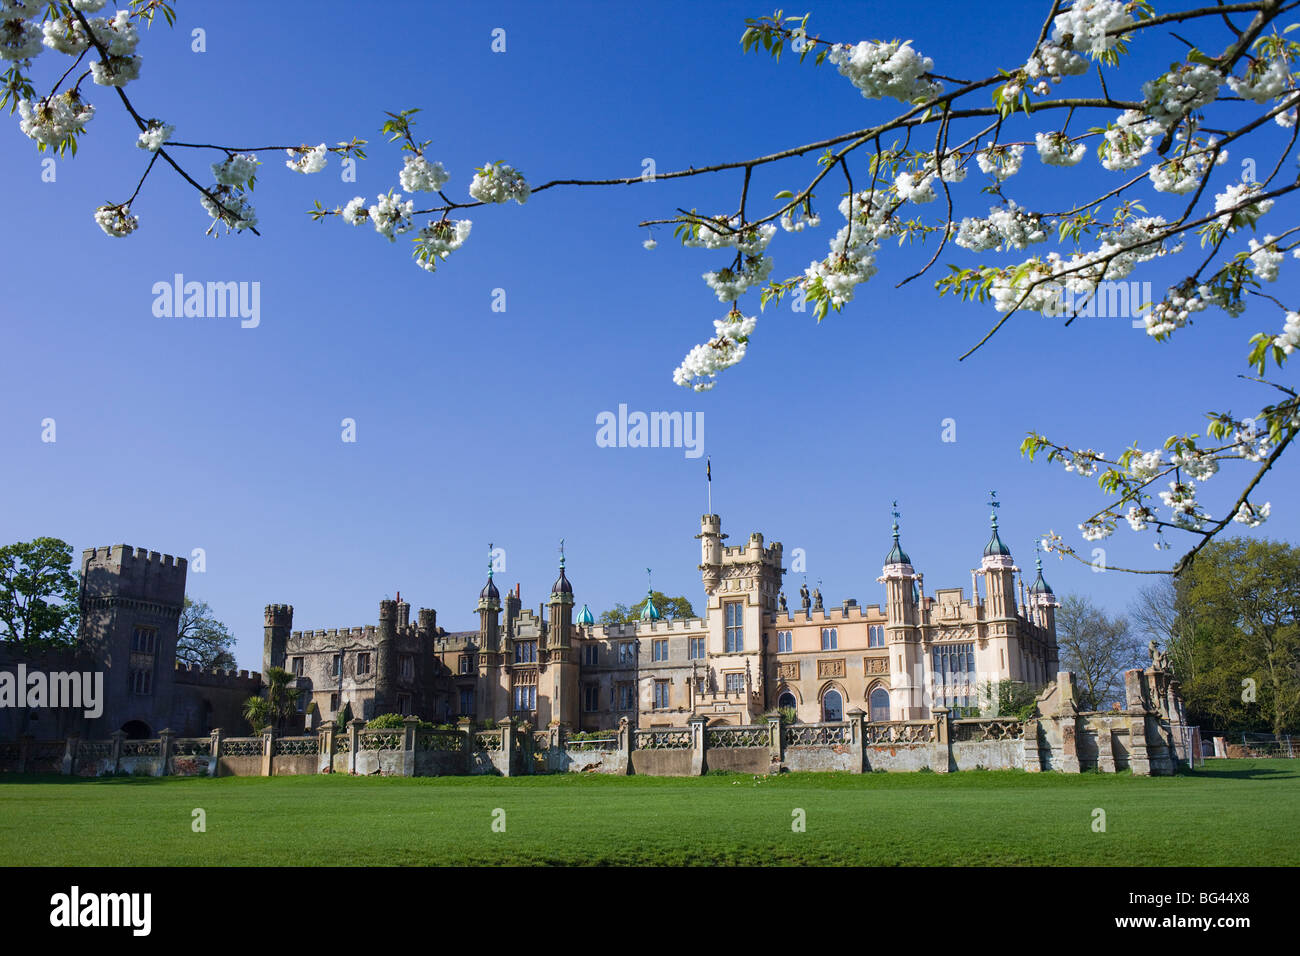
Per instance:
(395,722)
(787,715)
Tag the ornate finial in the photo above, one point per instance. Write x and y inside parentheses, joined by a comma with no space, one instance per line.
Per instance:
(894,512)
(648,579)
(995,505)
(1038,555)
(489,560)
(561,552)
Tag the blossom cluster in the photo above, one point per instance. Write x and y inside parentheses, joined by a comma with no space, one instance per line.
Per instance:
(307,159)
(50,121)
(1183,173)
(1009,228)
(722,232)
(1251,516)
(1002,162)
(1056,149)
(116,221)
(730,284)
(1185,88)
(702,364)
(438,240)
(234,211)
(420,175)
(1265,258)
(1089,24)
(1235,195)
(1289,340)
(1127,140)
(891,69)
(236,169)
(390,216)
(497,182)
(155,134)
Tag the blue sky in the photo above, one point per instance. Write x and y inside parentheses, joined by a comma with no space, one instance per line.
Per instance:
(477,426)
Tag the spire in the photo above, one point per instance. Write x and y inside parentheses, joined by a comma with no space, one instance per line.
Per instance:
(489,592)
(1040,586)
(897,555)
(561,585)
(649,612)
(585,617)
(995,545)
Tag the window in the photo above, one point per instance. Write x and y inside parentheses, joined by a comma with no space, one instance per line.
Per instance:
(336,663)
(297,667)
(526,697)
(363,663)
(832,707)
(408,667)
(142,682)
(144,639)
(302,703)
(697,648)
(334,699)
(591,698)
(876,636)
(467,701)
(467,663)
(661,694)
(879,704)
(784,642)
(525,652)
(404,704)
(591,654)
(735,683)
(830,638)
(626,698)
(659,649)
(786,700)
(625,652)
(735,627)
(954,674)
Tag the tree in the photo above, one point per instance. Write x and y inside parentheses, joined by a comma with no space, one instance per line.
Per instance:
(277,707)
(1242,614)
(202,639)
(1162,143)
(1097,648)
(39,605)
(674,608)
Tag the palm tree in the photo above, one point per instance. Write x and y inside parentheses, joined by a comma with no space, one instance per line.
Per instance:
(279,704)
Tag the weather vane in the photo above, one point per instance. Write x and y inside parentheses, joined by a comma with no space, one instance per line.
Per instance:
(490,549)
(561,552)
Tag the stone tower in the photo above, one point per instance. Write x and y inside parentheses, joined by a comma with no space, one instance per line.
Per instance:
(279,623)
(711,538)
(131,601)
(907,656)
(1000,617)
(386,658)
(489,642)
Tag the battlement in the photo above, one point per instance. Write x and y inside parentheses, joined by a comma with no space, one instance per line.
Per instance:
(279,615)
(871,613)
(753,550)
(661,628)
(216,677)
(125,571)
(337,634)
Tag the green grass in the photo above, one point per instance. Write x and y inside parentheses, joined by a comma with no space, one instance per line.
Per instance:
(1233,812)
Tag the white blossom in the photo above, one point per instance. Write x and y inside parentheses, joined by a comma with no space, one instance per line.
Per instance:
(1236,194)
(51,121)
(915,187)
(235,170)
(1055,149)
(497,182)
(65,35)
(420,175)
(1138,517)
(438,240)
(1264,80)
(153,138)
(730,284)
(355,212)
(886,69)
(1086,25)
(20,39)
(1127,140)
(391,216)
(1265,259)
(650,244)
(238,212)
(1051,61)
(702,364)
(1185,88)
(1002,162)
(307,159)
(118,71)
(1252,516)
(116,220)
(1289,340)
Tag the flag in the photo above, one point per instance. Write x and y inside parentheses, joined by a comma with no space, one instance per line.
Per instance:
(708,468)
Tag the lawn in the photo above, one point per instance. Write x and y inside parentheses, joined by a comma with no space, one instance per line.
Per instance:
(1233,812)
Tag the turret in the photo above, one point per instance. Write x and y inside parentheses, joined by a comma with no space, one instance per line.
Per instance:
(561,605)
(907,657)
(999,572)
(711,538)
(386,658)
(1043,601)
(489,615)
(279,622)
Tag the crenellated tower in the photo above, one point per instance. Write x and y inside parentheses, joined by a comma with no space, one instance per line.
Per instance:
(279,624)
(563,662)
(386,658)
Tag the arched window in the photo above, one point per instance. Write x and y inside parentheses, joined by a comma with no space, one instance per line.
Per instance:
(832,707)
(786,700)
(879,704)
(830,639)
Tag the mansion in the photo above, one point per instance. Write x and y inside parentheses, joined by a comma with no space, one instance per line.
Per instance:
(747,656)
